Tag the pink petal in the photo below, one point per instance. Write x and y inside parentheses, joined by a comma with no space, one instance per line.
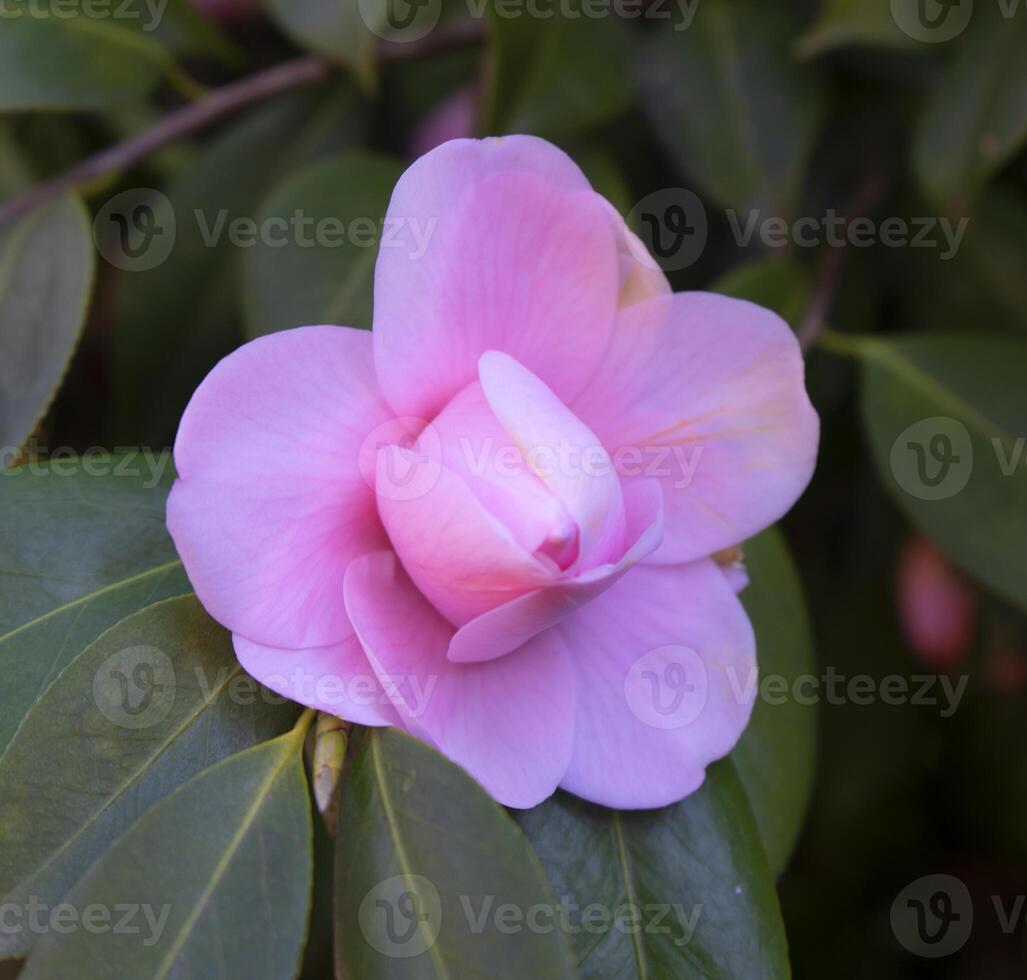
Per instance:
(474,445)
(506,627)
(516,260)
(337,679)
(270,506)
(642,738)
(561,451)
(641,277)
(706,394)
(508,722)
(459,555)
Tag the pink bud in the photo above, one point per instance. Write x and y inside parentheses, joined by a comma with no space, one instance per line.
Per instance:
(452,118)
(937,609)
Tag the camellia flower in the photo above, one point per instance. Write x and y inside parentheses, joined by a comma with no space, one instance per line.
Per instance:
(490,521)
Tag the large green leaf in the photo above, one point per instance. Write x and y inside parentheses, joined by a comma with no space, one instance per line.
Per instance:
(340,31)
(734,109)
(84,545)
(219,872)
(433,879)
(948,426)
(976,120)
(328,219)
(79,62)
(983,282)
(176,319)
(683,892)
(853,22)
(154,700)
(556,76)
(46,273)
(775,755)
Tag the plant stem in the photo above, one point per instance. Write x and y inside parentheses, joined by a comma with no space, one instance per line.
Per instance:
(814,320)
(214,105)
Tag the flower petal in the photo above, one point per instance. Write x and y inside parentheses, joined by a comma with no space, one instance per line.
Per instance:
(508,626)
(512,260)
(706,394)
(337,679)
(270,506)
(666,673)
(459,555)
(508,722)
(561,451)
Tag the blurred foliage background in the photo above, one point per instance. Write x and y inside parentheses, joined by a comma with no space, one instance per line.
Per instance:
(769,114)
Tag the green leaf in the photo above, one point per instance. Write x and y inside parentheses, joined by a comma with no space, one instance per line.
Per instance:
(852,22)
(948,426)
(46,273)
(733,108)
(681,892)
(778,284)
(556,76)
(336,30)
(84,545)
(220,871)
(75,63)
(428,867)
(976,119)
(157,698)
(176,320)
(983,281)
(328,219)
(775,756)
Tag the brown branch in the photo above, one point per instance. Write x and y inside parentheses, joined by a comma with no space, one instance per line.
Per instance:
(825,285)
(219,103)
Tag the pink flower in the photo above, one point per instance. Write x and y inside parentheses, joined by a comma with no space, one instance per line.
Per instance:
(937,608)
(490,520)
